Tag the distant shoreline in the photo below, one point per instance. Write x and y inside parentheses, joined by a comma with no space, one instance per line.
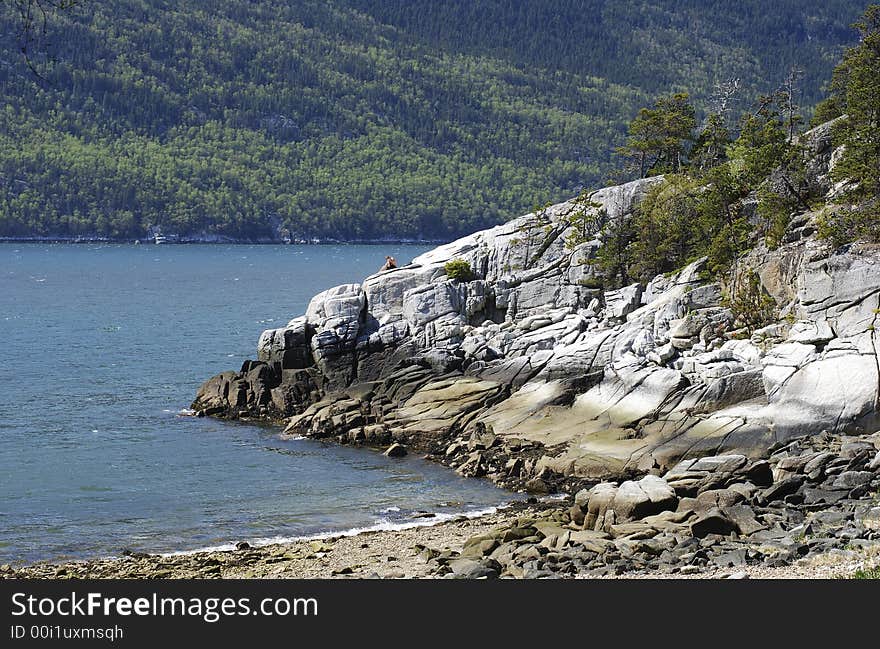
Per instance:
(223,241)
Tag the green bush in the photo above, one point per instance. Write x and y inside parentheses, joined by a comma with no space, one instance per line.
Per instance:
(844,225)
(459,269)
(752,307)
(592,282)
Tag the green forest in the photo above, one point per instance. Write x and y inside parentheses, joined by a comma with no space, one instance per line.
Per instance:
(362,119)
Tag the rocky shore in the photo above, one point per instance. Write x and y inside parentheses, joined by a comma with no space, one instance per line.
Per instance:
(688,436)
(811,510)
(531,373)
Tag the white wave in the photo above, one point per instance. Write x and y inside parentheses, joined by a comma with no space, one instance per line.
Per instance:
(382,525)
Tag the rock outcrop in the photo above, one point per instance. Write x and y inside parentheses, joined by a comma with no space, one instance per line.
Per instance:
(531,373)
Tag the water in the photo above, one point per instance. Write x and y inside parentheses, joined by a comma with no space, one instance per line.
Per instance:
(102,346)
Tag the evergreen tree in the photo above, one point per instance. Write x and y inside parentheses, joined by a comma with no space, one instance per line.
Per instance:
(710,148)
(860,131)
(585,218)
(762,141)
(659,136)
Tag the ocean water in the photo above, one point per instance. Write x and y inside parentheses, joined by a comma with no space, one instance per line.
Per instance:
(102,347)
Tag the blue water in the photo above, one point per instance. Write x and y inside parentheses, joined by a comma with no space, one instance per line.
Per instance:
(102,346)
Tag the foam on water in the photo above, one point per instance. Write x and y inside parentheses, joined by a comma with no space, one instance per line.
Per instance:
(381,525)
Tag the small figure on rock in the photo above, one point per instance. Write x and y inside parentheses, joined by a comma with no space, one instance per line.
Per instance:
(389,263)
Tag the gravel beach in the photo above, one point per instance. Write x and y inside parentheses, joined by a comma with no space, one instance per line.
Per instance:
(395,554)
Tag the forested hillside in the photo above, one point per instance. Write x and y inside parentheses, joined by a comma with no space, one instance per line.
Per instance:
(360,119)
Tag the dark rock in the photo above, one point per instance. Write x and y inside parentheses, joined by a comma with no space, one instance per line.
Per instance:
(856,449)
(852,479)
(126,552)
(823,496)
(831,517)
(714,521)
(744,519)
(537,486)
(783,488)
(760,473)
(396,450)
(731,559)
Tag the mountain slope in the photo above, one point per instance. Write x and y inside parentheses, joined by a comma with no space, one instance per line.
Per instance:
(357,119)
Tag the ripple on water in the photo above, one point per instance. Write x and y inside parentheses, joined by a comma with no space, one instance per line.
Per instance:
(104,456)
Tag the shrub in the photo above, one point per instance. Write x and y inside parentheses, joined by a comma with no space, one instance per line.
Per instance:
(592,282)
(459,269)
(775,211)
(845,225)
(752,307)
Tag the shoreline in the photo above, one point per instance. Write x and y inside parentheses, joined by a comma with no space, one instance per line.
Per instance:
(810,511)
(326,555)
(232,242)
(413,552)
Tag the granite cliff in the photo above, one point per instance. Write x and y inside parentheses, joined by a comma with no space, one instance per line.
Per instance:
(533,375)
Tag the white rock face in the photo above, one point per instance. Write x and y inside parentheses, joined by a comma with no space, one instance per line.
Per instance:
(288,345)
(343,302)
(622,302)
(811,332)
(634,378)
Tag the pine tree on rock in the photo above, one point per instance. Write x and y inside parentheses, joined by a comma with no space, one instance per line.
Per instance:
(660,136)
(860,131)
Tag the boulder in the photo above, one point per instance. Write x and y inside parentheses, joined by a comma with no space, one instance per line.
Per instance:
(715,521)
(289,346)
(621,302)
(632,500)
(344,302)
(395,450)
(474,569)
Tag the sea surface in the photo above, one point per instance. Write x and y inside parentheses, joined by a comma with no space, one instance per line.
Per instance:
(103,346)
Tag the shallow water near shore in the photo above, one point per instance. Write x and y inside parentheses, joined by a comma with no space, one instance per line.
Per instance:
(103,346)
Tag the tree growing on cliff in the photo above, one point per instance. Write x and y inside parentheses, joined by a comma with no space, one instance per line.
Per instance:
(614,256)
(710,147)
(860,131)
(585,218)
(533,231)
(762,141)
(660,136)
(459,269)
(666,227)
(751,305)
